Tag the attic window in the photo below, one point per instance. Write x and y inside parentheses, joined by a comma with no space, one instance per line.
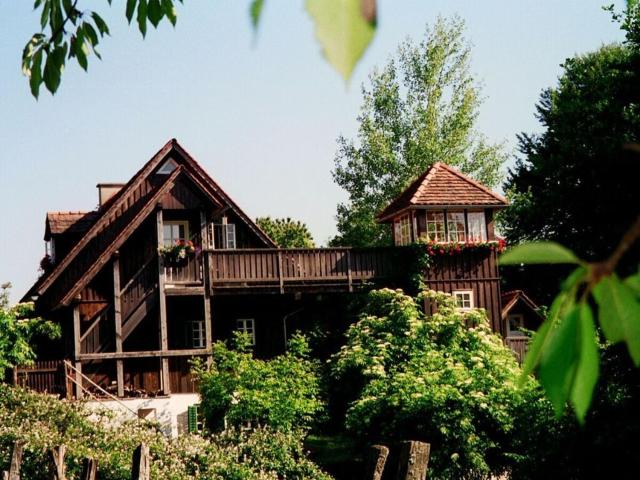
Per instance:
(167,167)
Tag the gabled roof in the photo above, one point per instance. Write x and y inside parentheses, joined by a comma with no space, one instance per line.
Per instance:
(442,185)
(510,299)
(68,222)
(117,218)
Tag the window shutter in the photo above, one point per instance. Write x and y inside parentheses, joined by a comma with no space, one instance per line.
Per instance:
(192,418)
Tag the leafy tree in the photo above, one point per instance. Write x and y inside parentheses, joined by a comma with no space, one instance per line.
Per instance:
(17,330)
(281,393)
(420,108)
(447,379)
(344,29)
(287,233)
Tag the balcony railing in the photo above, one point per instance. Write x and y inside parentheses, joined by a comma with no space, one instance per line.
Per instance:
(278,269)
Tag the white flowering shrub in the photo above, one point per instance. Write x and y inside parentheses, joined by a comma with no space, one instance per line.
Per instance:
(446,379)
(43,422)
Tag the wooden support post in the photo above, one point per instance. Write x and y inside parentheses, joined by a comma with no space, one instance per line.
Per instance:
(376,460)
(76,350)
(140,469)
(57,455)
(280,273)
(349,274)
(117,317)
(16,460)
(164,340)
(208,325)
(414,461)
(89,469)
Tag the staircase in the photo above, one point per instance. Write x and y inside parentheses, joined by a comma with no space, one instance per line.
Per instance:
(139,296)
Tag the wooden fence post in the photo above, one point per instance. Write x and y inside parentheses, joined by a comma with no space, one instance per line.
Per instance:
(89,469)
(57,455)
(376,460)
(140,469)
(414,460)
(16,460)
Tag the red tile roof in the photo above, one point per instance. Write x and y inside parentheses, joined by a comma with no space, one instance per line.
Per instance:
(442,185)
(69,222)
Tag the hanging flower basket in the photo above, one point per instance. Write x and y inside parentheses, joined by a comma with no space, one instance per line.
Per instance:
(454,248)
(177,255)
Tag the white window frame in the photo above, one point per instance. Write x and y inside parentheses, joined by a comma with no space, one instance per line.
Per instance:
(516,332)
(402,230)
(172,223)
(459,294)
(438,219)
(476,220)
(50,249)
(230,235)
(248,326)
(196,334)
(456,215)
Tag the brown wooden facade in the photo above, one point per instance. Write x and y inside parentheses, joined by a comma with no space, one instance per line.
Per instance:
(132,321)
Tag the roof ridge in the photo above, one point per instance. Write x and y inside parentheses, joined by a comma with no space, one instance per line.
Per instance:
(425,178)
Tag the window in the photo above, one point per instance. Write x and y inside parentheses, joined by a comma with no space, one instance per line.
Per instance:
(196,333)
(50,249)
(464,299)
(230,235)
(167,167)
(515,322)
(477,227)
(455,226)
(246,325)
(435,227)
(402,230)
(174,232)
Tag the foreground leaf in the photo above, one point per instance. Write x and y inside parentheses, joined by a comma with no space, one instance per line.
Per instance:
(588,367)
(619,313)
(538,252)
(255,11)
(344,29)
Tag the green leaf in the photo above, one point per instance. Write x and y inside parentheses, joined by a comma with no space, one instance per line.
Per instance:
(255,10)
(44,17)
(91,34)
(633,282)
(538,252)
(51,74)
(344,29)
(154,12)
(619,313)
(588,367)
(170,11)
(131,8)
(142,17)
(35,76)
(100,23)
(559,361)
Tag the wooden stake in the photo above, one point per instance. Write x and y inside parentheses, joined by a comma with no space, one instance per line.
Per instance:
(376,460)
(89,469)
(16,460)
(414,461)
(57,455)
(140,470)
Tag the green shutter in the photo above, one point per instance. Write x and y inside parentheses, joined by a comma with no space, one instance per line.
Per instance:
(192,418)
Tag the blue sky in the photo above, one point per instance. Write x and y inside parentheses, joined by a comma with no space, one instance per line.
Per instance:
(261,115)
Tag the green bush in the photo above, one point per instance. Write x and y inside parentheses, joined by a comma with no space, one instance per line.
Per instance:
(43,422)
(446,379)
(282,393)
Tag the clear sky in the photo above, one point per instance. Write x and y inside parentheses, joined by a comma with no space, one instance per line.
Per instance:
(261,116)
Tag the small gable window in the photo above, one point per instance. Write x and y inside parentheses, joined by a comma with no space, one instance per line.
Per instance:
(464,299)
(515,324)
(477,227)
(402,230)
(435,227)
(230,235)
(455,226)
(247,326)
(167,167)
(174,232)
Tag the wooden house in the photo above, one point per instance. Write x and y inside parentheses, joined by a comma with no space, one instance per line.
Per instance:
(169,263)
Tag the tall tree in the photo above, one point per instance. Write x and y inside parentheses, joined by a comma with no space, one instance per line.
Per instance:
(420,108)
(287,233)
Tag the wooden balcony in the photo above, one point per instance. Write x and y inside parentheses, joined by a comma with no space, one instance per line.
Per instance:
(287,270)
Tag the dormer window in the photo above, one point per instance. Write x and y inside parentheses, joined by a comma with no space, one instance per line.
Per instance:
(175,231)
(402,230)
